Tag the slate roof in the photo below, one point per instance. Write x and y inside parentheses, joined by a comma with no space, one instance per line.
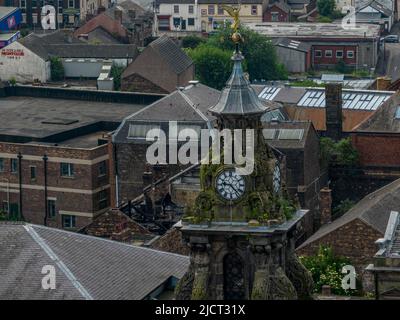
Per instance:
(385,119)
(292,44)
(238,97)
(56,44)
(281,5)
(188,105)
(374,210)
(287,135)
(377,6)
(86,267)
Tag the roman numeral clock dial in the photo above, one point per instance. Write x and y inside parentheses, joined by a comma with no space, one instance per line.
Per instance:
(230,185)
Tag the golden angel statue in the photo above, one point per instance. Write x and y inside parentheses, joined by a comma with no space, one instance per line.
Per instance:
(234,13)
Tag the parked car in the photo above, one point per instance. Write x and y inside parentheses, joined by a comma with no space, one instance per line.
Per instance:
(392,38)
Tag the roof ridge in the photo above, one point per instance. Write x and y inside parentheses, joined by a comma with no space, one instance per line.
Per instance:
(102,239)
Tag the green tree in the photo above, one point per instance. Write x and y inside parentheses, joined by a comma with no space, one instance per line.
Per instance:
(192,41)
(116,73)
(260,54)
(326,269)
(213,65)
(57,69)
(341,153)
(326,7)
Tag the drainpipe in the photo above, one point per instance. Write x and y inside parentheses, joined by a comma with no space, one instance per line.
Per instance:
(46,209)
(20,184)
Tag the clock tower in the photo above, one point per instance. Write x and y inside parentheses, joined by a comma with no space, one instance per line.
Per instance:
(242,228)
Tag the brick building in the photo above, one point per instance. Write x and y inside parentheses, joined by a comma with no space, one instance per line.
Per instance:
(126,22)
(299,143)
(160,68)
(54,160)
(331,44)
(377,139)
(188,106)
(277,12)
(353,235)
(309,104)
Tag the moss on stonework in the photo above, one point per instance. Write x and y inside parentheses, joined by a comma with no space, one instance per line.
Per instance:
(199,291)
(260,286)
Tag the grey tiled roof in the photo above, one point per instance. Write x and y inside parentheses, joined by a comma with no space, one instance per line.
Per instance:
(86,267)
(374,210)
(385,119)
(56,44)
(178,60)
(188,104)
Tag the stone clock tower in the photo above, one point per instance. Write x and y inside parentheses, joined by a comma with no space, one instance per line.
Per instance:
(242,229)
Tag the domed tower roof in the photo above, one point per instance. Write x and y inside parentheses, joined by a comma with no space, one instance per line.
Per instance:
(238,97)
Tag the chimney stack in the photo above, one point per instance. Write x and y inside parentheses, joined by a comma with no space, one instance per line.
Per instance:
(333,110)
(118,14)
(326,205)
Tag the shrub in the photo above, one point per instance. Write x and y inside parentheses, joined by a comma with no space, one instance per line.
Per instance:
(116,73)
(192,41)
(57,69)
(338,153)
(326,269)
(342,207)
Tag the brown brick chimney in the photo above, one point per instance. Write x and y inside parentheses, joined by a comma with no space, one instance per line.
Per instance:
(333,110)
(326,205)
(118,15)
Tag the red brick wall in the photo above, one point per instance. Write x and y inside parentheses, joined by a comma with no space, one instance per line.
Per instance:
(333,60)
(283,16)
(86,177)
(355,240)
(377,149)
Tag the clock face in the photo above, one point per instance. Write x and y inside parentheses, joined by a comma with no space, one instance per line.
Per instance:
(277,178)
(230,185)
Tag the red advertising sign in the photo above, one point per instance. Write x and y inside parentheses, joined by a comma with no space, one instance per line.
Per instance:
(12,52)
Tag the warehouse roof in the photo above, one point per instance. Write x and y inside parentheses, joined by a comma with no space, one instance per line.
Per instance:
(86,267)
(386,119)
(313,30)
(34,118)
(368,100)
(292,44)
(64,46)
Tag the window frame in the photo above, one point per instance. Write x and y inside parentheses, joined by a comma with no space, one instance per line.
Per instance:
(52,213)
(71,170)
(254,10)
(32,169)
(2,165)
(176,8)
(336,54)
(69,3)
(212,11)
(191,19)
(352,54)
(13,162)
(102,166)
(191,9)
(318,55)
(326,53)
(72,222)
(103,200)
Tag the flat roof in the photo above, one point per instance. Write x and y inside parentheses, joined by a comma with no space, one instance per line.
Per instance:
(37,118)
(310,30)
(7,36)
